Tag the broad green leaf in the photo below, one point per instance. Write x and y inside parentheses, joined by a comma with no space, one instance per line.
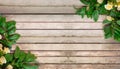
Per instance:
(108,31)
(107,22)
(9,57)
(10,24)
(7,43)
(30,67)
(30,57)
(17,52)
(11,31)
(22,56)
(89,11)
(3,22)
(14,37)
(81,11)
(118,22)
(2,30)
(86,2)
(95,15)
(102,10)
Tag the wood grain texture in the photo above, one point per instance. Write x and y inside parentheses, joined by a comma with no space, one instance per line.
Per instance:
(68,46)
(39,6)
(60,39)
(59,26)
(67,40)
(83,60)
(51,18)
(36,10)
(62,33)
(74,53)
(82,66)
(40,2)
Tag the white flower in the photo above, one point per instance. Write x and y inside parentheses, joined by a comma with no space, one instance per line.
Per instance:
(116,5)
(2,60)
(9,67)
(118,8)
(100,1)
(109,18)
(108,6)
(6,50)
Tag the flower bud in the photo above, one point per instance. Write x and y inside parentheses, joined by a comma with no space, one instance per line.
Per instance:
(109,18)
(0,36)
(100,1)
(9,67)
(1,47)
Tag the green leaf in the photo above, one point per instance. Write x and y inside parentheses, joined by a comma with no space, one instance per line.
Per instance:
(9,57)
(86,2)
(30,67)
(95,15)
(108,31)
(30,57)
(81,11)
(3,22)
(116,32)
(14,37)
(17,52)
(114,13)
(102,10)
(10,24)
(7,43)
(89,11)
(118,22)
(11,31)
(107,22)
(22,56)
(2,31)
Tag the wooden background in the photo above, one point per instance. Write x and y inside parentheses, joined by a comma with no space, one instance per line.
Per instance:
(61,40)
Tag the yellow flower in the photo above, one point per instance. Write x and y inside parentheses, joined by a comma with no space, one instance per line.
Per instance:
(0,36)
(6,50)
(117,0)
(109,18)
(100,1)
(109,6)
(2,60)
(9,67)
(1,47)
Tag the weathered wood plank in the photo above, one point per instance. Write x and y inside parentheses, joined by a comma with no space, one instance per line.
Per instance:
(51,18)
(78,59)
(73,53)
(59,26)
(67,40)
(30,9)
(40,2)
(82,66)
(62,33)
(68,46)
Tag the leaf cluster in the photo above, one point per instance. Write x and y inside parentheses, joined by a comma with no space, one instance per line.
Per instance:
(20,60)
(7,31)
(93,10)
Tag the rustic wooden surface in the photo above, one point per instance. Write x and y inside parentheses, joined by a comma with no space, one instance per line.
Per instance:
(59,38)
